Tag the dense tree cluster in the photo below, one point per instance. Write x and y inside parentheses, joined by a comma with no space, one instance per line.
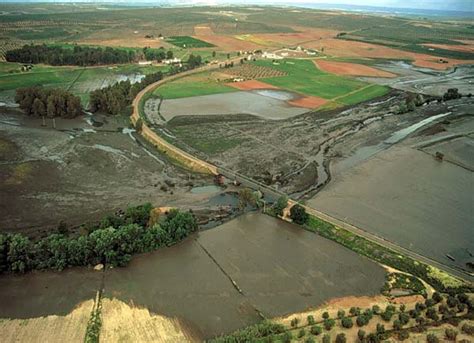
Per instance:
(157,54)
(298,214)
(194,61)
(78,55)
(113,99)
(48,102)
(112,242)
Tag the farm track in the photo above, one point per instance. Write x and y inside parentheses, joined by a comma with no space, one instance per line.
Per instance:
(247,181)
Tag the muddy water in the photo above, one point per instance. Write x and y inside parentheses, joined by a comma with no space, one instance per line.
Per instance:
(278,268)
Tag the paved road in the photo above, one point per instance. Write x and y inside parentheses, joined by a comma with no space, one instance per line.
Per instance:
(248,182)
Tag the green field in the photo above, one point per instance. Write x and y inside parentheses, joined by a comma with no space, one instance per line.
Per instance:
(305,78)
(80,81)
(188,42)
(363,94)
(200,84)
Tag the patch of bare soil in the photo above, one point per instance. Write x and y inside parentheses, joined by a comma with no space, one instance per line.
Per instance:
(351,69)
(251,85)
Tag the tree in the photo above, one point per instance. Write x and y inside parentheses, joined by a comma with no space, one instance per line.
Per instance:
(437,297)
(213,54)
(325,315)
(280,205)
(38,108)
(298,214)
(316,330)
(310,320)
(355,311)
(301,333)
(309,340)
(431,338)
(403,335)
(362,320)
(341,314)
(361,335)
(294,322)
(326,338)
(347,322)
(246,198)
(169,55)
(329,324)
(19,253)
(341,338)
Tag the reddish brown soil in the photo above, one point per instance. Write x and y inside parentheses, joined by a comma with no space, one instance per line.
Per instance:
(462,48)
(352,69)
(308,102)
(250,85)
(343,48)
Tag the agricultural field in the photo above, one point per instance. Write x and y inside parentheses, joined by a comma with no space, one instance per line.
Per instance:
(196,85)
(188,42)
(80,81)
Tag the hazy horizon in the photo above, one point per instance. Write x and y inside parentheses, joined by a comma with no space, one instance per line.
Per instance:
(446,5)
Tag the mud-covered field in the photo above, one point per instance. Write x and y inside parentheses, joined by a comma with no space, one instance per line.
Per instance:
(79,172)
(278,268)
(268,104)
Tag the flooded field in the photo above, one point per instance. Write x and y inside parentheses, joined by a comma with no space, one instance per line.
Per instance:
(268,104)
(408,197)
(277,267)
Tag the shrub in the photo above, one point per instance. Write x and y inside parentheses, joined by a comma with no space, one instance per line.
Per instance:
(403,335)
(451,334)
(431,338)
(301,333)
(452,301)
(468,329)
(404,318)
(429,302)
(294,322)
(310,340)
(325,315)
(402,307)
(287,337)
(355,311)
(437,297)
(347,322)
(362,320)
(341,314)
(316,330)
(341,338)
(329,324)
(326,338)
(387,316)
(298,214)
(280,205)
(463,298)
(380,329)
(397,325)
(361,334)
(376,309)
(311,320)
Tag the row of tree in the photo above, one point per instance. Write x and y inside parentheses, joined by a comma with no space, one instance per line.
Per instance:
(111,242)
(114,98)
(78,55)
(48,102)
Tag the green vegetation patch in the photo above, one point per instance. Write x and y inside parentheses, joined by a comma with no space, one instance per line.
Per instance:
(188,42)
(192,86)
(363,94)
(304,77)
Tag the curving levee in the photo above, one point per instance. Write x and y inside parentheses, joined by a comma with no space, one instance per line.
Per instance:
(151,136)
